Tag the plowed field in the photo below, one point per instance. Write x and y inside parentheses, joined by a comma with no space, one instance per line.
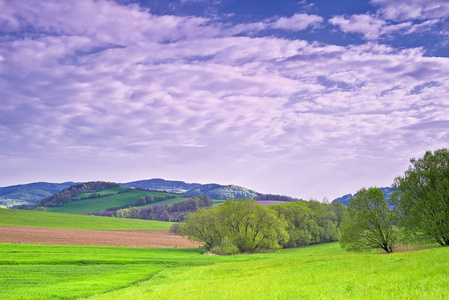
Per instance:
(122,238)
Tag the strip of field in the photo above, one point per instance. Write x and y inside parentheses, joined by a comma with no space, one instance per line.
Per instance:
(121,238)
(24,218)
(316,272)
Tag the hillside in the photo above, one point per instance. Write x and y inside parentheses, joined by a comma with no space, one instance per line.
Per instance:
(25,218)
(78,192)
(31,193)
(347,198)
(216,191)
(223,192)
(159,184)
(114,198)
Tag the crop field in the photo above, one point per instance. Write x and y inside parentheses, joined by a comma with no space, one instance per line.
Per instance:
(122,238)
(116,200)
(25,218)
(316,272)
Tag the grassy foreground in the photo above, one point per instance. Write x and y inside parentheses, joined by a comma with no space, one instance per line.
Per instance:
(25,218)
(316,272)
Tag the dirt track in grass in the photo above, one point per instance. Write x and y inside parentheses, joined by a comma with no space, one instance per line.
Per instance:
(121,238)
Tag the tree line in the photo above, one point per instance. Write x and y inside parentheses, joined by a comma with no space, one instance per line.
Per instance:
(420,213)
(242,225)
(169,213)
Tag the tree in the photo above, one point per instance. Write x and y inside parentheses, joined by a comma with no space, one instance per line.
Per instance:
(250,226)
(421,196)
(237,222)
(369,223)
(302,228)
(202,226)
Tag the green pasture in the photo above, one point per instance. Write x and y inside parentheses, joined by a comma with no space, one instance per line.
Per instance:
(315,272)
(26,218)
(72,272)
(113,190)
(100,204)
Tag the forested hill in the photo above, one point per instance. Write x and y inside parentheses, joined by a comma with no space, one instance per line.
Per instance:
(347,198)
(159,184)
(67,195)
(31,193)
(224,192)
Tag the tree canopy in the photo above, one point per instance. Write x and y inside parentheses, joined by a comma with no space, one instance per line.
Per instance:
(247,225)
(251,227)
(369,223)
(422,196)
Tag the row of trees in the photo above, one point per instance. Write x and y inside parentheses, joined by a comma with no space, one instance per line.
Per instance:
(421,208)
(242,225)
(170,213)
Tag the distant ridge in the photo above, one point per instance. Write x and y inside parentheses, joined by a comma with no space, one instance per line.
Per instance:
(160,184)
(224,192)
(348,197)
(31,193)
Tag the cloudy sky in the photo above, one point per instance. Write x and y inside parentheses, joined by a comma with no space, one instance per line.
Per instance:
(304,98)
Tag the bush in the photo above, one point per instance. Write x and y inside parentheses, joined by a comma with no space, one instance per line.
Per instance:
(226,247)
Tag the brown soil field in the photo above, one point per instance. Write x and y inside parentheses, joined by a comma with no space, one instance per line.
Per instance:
(121,238)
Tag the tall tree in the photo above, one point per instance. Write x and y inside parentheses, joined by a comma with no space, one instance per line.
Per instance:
(369,223)
(241,222)
(422,196)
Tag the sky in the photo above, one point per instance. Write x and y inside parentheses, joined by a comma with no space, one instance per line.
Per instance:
(310,99)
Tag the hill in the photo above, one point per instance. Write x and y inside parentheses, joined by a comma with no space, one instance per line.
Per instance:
(77,200)
(78,192)
(159,184)
(347,198)
(31,193)
(25,218)
(223,192)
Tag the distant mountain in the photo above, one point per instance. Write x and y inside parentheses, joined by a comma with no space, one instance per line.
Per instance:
(217,191)
(31,193)
(162,185)
(213,190)
(347,198)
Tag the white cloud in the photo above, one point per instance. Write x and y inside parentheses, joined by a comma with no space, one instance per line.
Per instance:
(297,22)
(413,9)
(367,25)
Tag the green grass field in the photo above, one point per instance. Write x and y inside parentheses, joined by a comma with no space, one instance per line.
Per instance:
(100,204)
(25,218)
(315,272)
(113,190)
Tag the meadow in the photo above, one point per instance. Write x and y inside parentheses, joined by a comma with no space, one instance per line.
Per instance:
(116,200)
(25,218)
(316,272)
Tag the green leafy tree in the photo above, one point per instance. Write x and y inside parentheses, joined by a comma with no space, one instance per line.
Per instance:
(369,223)
(422,196)
(250,226)
(237,222)
(202,226)
(302,227)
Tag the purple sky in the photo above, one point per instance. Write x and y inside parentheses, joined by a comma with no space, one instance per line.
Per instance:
(309,99)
